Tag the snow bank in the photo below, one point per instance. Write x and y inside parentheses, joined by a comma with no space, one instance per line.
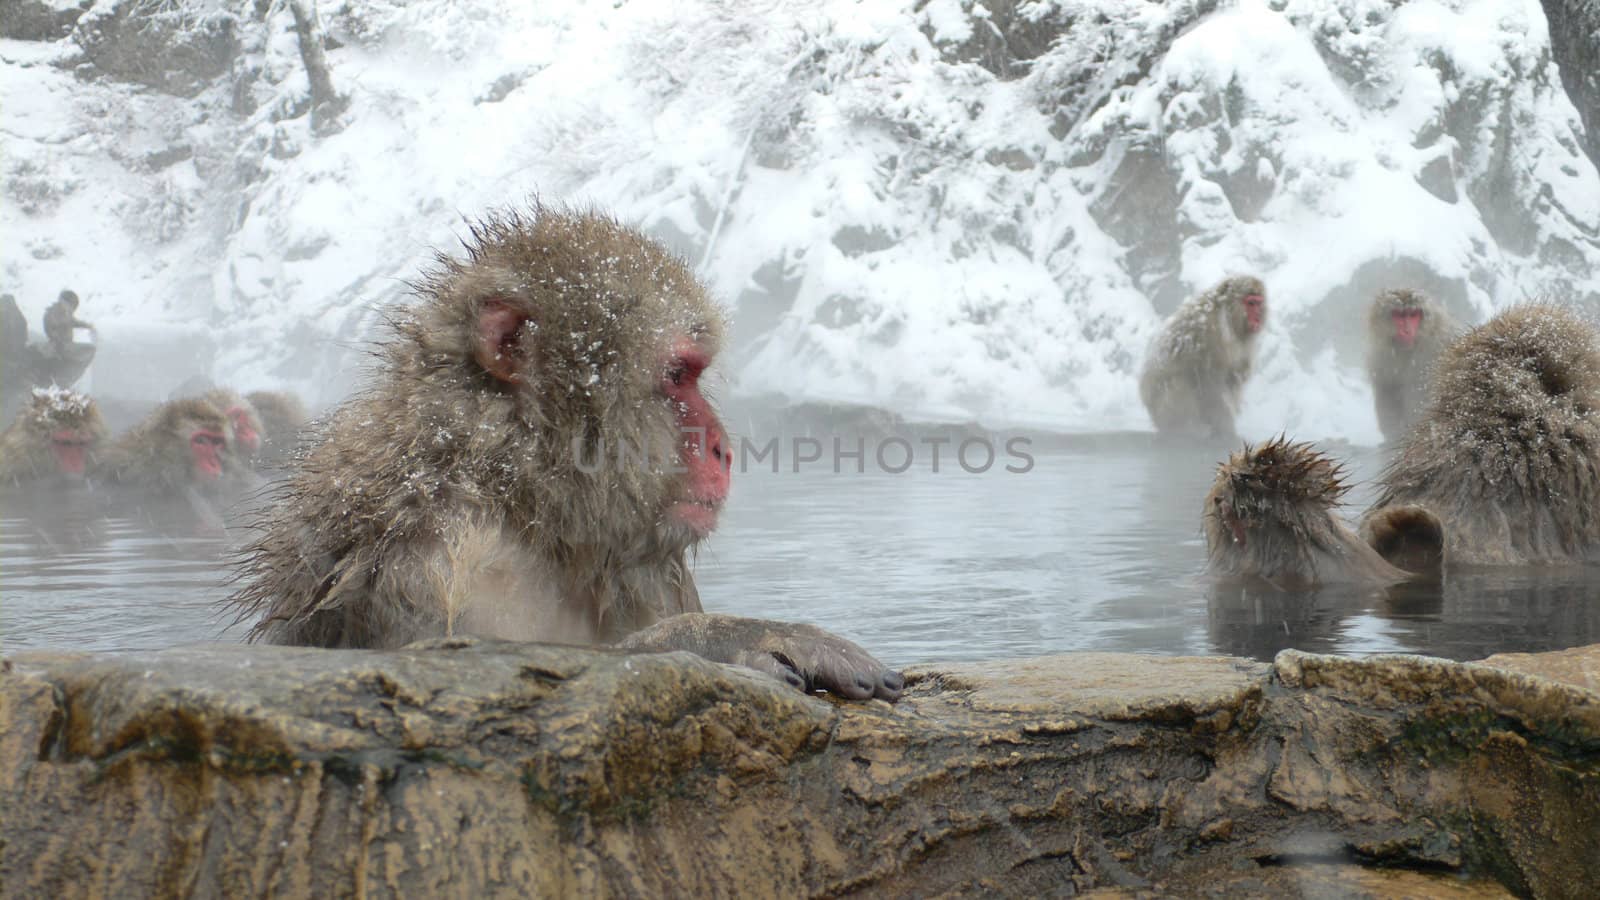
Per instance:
(958,212)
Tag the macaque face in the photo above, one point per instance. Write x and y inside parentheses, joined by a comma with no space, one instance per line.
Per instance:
(704,445)
(248,439)
(70,447)
(1255,312)
(1407,322)
(205,447)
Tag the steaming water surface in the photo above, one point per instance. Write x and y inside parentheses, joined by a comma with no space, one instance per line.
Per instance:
(1096,548)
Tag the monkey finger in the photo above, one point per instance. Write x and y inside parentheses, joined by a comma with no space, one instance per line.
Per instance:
(842,667)
(837,674)
(776,665)
(890,685)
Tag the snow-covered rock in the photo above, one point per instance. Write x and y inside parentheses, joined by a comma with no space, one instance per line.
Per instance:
(952,209)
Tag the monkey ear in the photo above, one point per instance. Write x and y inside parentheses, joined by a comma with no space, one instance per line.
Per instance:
(499,348)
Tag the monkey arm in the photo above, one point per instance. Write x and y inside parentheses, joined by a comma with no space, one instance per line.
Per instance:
(804,656)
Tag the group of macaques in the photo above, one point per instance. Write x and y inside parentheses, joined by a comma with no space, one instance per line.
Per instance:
(1497,433)
(449,497)
(210,444)
(1199,363)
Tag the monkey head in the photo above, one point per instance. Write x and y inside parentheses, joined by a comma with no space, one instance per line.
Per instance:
(1268,488)
(190,439)
(246,435)
(1399,316)
(1245,299)
(582,346)
(69,424)
(243,418)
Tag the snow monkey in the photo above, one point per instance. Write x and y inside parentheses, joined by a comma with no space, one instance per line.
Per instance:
(1406,330)
(1270,518)
(1503,466)
(1200,361)
(181,444)
(490,480)
(61,319)
(246,422)
(56,436)
(282,417)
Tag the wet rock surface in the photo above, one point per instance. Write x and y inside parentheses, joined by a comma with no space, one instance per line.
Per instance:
(486,769)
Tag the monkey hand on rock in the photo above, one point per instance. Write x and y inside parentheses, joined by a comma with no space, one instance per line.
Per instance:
(804,656)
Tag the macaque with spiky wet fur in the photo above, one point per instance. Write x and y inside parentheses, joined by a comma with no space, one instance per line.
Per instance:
(1503,467)
(458,494)
(56,436)
(282,417)
(1270,518)
(182,445)
(1406,330)
(1199,363)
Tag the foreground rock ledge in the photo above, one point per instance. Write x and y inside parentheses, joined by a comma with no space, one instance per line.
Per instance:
(481,769)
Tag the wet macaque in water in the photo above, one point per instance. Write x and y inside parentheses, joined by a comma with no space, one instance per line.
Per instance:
(1270,518)
(1503,466)
(282,417)
(1406,330)
(1199,363)
(460,493)
(182,445)
(56,436)
(246,422)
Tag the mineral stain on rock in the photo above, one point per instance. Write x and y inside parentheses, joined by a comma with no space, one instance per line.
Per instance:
(482,769)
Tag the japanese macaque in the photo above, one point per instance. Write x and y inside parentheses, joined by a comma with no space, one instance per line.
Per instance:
(1503,467)
(1199,363)
(1406,330)
(534,460)
(282,417)
(245,421)
(183,444)
(61,320)
(55,437)
(1270,518)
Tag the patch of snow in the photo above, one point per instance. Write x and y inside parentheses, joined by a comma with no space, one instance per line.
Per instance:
(891,222)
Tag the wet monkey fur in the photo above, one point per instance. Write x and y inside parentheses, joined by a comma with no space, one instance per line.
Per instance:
(457,495)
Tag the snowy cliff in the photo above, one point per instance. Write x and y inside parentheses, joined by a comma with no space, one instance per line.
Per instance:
(955,210)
